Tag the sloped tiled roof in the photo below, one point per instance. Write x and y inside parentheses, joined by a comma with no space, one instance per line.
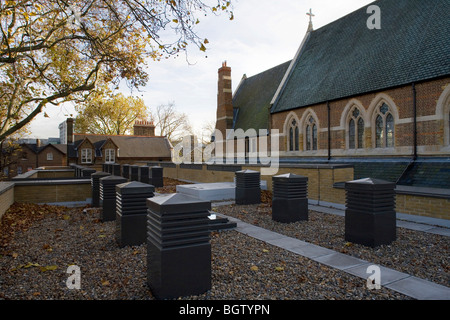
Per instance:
(432,174)
(253,98)
(61,147)
(346,58)
(34,147)
(129,146)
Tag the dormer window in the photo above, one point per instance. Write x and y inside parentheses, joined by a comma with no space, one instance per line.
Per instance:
(86,155)
(110,155)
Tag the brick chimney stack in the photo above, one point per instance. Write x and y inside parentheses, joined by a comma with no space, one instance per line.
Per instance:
(224,100)
(144,128)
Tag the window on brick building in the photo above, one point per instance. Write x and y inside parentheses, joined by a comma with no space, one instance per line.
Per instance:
(384,127)
(50,156)
(311,134)
(110,156)
(356,130)
(19,170)
(253,145)
(293,135)
(86,155)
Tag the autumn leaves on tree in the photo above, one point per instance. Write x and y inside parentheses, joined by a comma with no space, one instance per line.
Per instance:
(55,51)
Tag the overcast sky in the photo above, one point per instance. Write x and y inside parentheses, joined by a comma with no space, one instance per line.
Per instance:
(263,34)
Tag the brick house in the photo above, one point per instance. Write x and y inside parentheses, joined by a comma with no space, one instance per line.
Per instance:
(30,156)
(376,98)
(92,150)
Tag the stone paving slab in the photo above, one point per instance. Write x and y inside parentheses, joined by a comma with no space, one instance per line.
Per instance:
(414,226)
(300,247)
(386,275)
(339,260)
(425,220)
(310,250)
(439,231)
(401,282)
(420,289)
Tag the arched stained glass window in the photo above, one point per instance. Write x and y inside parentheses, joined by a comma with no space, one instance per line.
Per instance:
(379,132)
(314,136)
(384,128)
(360,133)
(351,134)
(308,137)
(311,134)
(293,136)
(291,139)
(389,130)
(356,130)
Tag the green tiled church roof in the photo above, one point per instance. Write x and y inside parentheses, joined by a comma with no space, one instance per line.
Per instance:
(345,58)
(253,97)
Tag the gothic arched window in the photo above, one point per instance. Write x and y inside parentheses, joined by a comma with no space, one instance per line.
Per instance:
(293,135)
(384,127)
(356,130)
(311,134)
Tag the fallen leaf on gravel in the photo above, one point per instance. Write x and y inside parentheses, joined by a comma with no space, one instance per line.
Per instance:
(105,283)
(15,255)
(101,236)
(279,268)
(48,268)
(66,217)
(31,264)
(265,250)
(254,268)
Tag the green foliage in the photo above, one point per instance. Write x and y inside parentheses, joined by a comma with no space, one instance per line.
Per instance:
(109,114)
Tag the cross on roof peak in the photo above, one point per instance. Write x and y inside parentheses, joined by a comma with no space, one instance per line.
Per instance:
(310,14)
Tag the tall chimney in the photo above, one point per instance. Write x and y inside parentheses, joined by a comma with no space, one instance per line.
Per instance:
(69,138)
(224,100)
(144,128)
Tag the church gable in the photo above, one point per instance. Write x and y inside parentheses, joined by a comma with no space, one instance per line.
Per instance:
(345,58)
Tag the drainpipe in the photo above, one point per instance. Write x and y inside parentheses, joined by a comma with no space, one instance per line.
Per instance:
(415,122)
(329,131)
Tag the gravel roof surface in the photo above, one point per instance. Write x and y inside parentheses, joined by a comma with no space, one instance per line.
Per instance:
(35,258)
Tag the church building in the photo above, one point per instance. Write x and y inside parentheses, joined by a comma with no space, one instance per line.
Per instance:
(375,97)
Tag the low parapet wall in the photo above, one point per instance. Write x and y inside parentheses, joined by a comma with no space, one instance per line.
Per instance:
(325,185)
(46,173)
(6,196)
(43,191)
(321,177)
(420,201)
(48,191)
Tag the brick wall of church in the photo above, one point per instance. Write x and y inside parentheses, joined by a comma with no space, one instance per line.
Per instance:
(431,122)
